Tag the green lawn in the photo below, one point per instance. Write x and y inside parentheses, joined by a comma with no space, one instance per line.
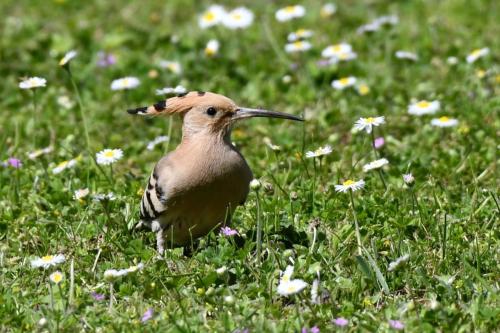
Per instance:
(444,225)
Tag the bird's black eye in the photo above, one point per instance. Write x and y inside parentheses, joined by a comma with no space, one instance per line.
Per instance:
(211,111)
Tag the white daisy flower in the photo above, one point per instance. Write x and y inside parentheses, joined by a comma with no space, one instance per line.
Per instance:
(173,66)
(212,16)
(65,102)
(286,276)
(327,10)
(408,178)
(113,274)
(56,277)
(68,57)
(255,184)
(398,262)
(375,164)
(452,60)
(271,145)
(212,48)
(290,12)
(300,34)
(343,83)
(476,54)
(221,270)
(169,90)
(363,89)
(108,156)
(157,140)
(406,55)
(298,46)
(33,82)
(444,122)
(368,123)
(377,23)
(370,27)
(133,269)
(104,197)
(238,18)
(128,82)
(64,165)
(291,287)
(387,20)
(39,152)
(321,151)
(81,193)
(343,56)
(335,50)
(424,107)
(47,261)
(350,185)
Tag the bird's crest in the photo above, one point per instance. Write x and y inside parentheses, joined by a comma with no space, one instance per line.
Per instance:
(182,103)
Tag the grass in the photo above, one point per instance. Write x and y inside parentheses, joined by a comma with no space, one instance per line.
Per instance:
(447,222)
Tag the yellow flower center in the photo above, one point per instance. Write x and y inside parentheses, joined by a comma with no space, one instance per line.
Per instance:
(209,16)
(237,16)
(300,32)
(444,119)
(298,44)
(363,89)
(348,182)
(62,164)
(423,104)
(109,153)
(291,288)
(337,48)
(125,82)
(57,278)
(343,81)
(47,258)
(476,52)
(289,9)
(370,120)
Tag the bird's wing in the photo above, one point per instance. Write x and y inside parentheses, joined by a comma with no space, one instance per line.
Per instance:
(153,203)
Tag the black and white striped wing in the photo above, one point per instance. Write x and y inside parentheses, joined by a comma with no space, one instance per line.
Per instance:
(153,201)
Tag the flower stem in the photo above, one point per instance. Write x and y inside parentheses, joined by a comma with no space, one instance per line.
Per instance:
(373,144)
(111,296)
(35,116)
(358,236)
(259,228)
(382,178)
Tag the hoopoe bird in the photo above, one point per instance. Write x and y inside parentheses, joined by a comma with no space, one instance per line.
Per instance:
(196,188)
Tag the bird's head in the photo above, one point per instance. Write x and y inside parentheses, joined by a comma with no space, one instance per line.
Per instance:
(205,112)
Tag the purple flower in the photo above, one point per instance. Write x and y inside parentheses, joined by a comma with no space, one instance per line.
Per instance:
(396,324)
(340,321)
(226,231)
(97,296)
(105,59)
(14,162)
(379,142)
(323,63)
(314,329)
(304,330)
(147,315)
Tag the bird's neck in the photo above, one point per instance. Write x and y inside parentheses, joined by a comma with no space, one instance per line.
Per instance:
(206,138)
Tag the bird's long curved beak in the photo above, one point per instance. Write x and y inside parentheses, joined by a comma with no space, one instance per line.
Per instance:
(243,113)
